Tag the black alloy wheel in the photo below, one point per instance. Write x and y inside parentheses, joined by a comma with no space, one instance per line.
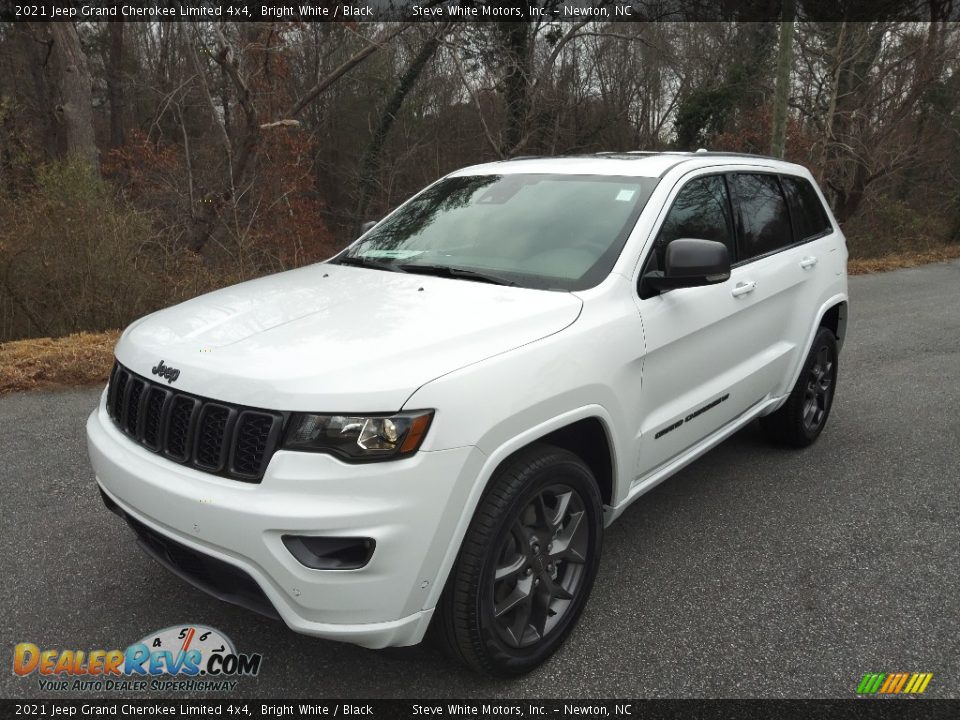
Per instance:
(801,419)
(540,566)
(526,564)
(816,401)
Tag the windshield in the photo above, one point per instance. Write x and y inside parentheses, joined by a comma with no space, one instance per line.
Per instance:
(557,232)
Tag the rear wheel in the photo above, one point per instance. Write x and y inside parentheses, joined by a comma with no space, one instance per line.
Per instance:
(526,565)
(802,418)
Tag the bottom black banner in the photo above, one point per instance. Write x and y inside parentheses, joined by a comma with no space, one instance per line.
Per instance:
(486,709)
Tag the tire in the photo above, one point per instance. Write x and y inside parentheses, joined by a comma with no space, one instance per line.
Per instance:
(540,523)
(799,422)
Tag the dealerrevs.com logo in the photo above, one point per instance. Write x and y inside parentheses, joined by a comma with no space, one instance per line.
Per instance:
(189,658)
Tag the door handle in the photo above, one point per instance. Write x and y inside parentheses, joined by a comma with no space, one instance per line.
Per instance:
(743,288)
(808,262)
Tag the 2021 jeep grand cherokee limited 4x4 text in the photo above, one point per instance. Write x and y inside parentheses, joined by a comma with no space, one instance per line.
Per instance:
(433,427)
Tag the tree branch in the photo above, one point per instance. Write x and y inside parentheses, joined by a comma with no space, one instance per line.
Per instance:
(345,67)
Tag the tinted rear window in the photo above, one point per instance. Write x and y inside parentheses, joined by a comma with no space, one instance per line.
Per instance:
(764,220)
(809,217)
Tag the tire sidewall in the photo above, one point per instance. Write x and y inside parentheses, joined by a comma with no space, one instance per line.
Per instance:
(823,338)
(514,661)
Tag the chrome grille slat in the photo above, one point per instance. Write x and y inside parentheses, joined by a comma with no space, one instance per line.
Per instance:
(219,438)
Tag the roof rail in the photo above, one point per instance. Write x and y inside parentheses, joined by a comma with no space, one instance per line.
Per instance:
(735,154)
(687,154)
(701,151)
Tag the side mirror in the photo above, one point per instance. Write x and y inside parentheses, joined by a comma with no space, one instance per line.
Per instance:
(690,263)
(365,227)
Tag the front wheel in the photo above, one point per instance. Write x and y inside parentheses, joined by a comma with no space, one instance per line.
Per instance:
(526,565)
(802,418)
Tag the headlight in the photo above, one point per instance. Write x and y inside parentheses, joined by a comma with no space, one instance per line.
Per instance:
(359,438)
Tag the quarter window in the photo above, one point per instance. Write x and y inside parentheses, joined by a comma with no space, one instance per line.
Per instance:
(764,221)
(701,210)
(809,217)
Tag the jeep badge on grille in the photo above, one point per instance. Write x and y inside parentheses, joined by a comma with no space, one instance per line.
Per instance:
(165,371)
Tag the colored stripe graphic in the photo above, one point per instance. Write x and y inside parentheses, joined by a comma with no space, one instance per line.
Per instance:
(914,682)
(866,685)
(894,683)
(888,683)
(901,680)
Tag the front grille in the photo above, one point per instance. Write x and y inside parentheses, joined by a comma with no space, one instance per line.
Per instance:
(220,438)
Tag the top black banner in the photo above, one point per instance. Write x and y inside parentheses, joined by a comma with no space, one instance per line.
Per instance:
(478,10)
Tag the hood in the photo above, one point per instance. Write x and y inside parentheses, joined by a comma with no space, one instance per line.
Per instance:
(332,338)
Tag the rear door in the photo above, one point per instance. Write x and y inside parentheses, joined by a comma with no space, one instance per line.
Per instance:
(819,253)
(783,242)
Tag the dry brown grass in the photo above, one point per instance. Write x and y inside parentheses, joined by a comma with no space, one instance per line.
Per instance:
(71,361)
(896,261)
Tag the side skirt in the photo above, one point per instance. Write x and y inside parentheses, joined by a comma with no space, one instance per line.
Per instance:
(678,462)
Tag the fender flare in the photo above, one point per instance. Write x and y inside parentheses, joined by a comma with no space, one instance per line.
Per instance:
(493,460)
(840,299)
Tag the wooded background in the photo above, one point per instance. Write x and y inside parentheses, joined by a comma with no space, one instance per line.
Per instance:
(144,163)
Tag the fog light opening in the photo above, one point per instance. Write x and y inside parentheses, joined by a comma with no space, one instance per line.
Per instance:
(330,553)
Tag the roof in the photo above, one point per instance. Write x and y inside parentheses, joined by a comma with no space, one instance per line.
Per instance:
(636,163)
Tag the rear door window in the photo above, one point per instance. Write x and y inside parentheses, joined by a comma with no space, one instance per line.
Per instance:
(809,217)
(763,219)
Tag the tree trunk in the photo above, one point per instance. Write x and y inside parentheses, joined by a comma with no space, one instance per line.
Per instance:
(515,37)
(371,158)
(71,99)
(115,84)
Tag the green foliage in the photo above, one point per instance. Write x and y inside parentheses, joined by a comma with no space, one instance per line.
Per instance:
(710,109)
(702,115)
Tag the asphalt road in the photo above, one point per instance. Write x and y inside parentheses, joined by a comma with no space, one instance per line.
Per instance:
(756,572)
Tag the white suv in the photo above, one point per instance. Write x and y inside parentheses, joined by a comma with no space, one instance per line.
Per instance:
(433,427)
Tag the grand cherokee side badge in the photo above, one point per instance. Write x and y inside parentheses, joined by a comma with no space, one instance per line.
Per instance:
(165,371)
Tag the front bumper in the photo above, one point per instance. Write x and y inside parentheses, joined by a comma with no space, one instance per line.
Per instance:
(409,507)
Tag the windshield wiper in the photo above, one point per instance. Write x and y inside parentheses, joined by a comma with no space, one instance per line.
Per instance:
(456,272)
(360,261)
